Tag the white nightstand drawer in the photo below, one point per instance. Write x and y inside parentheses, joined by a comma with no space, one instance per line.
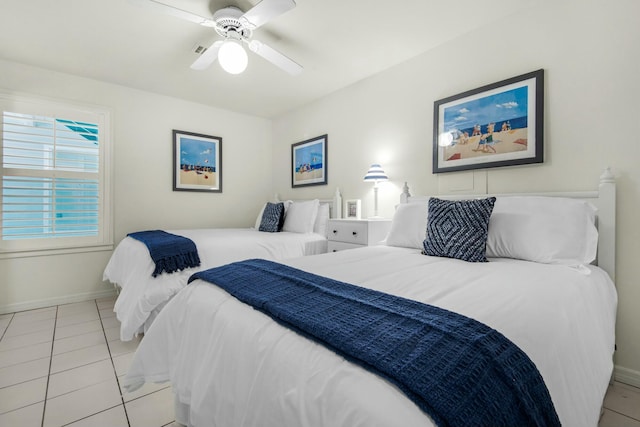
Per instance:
(356,233)
(348,232)
(341,246)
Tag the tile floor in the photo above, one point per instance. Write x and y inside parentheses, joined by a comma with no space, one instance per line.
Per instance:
(63,365)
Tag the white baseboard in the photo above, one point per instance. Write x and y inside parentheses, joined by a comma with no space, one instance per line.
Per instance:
(627,376)
(48,302)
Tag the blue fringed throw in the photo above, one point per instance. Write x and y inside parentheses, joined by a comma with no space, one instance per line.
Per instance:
(456,369)
(170,252)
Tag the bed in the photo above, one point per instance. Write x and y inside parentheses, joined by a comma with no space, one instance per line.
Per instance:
(143,293)
(232,364)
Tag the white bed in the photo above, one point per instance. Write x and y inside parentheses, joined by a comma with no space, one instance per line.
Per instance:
(141,296)
(232,365)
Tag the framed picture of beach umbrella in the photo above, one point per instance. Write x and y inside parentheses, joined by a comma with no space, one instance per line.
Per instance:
(197,162)
(309,162)
(500,124)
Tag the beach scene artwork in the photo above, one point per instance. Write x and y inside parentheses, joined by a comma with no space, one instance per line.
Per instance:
(487,126)
(309,163)
(497,125)
(197,166)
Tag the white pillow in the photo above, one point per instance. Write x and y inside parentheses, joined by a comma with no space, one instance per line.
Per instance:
(259,219)
(301,216)
(322,219)
(408,226)
(550,230)
(287,203)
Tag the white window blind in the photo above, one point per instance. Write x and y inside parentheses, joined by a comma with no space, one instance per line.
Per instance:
(54,188)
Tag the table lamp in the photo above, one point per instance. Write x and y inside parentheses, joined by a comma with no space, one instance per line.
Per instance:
(375,174)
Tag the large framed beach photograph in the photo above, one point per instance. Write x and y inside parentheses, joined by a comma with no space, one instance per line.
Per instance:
(197,162)
(309,162)
(500,124)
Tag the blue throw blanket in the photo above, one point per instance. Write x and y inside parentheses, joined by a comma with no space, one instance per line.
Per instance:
(170,252)
(456,369)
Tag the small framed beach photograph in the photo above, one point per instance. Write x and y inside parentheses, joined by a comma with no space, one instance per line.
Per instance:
(352,209)
(309,162)
(197,162)
(500,124)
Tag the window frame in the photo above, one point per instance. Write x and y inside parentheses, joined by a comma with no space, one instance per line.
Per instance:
(62,109)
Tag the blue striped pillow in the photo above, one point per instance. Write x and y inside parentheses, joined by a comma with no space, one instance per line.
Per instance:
(272,217)
(458,229)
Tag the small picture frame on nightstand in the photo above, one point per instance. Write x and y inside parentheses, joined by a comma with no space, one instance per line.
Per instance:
(352,209)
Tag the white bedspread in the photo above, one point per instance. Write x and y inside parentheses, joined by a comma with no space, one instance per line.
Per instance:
(231,365)
(142,296)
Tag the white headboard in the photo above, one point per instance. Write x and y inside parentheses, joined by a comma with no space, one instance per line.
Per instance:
(333,208)
(335,204)
(604,199)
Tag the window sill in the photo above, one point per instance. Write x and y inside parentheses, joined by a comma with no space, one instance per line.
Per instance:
(57,251)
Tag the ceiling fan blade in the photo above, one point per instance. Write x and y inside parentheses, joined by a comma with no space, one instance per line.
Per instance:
(174,11)
(264,11)
(208,57)
(275,57)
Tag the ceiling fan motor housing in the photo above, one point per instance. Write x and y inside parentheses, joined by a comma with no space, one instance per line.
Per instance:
(229,24)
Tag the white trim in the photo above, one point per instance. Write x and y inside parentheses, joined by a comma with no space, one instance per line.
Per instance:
(626,376)
(55,251)
(49,302)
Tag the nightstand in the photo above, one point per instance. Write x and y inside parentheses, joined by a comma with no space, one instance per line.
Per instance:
(356,233)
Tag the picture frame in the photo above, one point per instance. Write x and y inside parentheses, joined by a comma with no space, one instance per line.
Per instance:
(309,162)
(500,124)
(352,209)
(197,162)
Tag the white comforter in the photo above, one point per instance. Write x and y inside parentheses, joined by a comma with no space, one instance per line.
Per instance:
(142,296)
(230,365)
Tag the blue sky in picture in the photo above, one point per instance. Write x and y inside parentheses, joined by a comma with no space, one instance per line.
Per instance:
(507,105)
(197,152)
(309,154)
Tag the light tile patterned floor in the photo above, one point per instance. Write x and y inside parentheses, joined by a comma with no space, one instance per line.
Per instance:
(63,365)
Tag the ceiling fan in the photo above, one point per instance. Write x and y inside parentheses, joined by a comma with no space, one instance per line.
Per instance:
(236,28)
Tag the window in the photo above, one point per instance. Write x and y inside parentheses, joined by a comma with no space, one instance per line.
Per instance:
(55,180)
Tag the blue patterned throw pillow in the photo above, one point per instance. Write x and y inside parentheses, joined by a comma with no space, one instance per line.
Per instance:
(458,229)
(272,217)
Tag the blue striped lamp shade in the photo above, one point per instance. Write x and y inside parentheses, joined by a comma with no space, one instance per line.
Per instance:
(375,174)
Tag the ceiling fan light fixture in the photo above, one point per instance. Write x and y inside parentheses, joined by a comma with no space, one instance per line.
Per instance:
(232,57)
(235,27)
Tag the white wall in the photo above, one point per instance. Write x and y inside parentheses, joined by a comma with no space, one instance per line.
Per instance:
(590,55)
(142,177)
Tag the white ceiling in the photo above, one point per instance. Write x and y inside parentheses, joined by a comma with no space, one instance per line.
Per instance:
(338,42)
